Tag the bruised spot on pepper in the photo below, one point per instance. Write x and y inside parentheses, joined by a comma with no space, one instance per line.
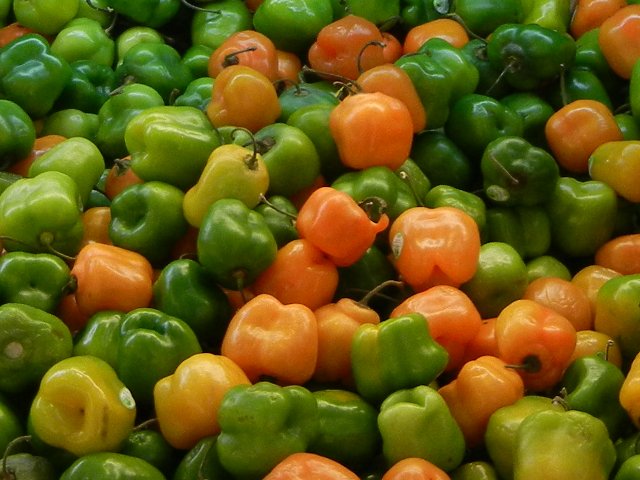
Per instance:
(13,350)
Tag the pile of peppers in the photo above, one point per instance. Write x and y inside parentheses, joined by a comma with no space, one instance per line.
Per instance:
(320,239)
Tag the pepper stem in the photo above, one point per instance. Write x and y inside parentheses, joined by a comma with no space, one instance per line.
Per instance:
(364,301)
(6,474)
(232,58)
(374,43)
(530,364)
(375,207)
(264,200)
(406,178)
(197,8)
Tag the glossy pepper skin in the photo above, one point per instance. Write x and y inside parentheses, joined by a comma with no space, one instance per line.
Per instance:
(150,13)
(263,423)
(88,88)
(117,466)
(18,133)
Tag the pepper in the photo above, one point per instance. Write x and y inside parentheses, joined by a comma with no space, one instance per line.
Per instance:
(149,13)
(475,470)
(35,84)
(36,279)
(526,229)
(88,88)
(397,353)
(234,243)
(18,133)
(84,39)
(614,162)
(51,203)
(153,135)
(468,202)
(196,59)
(148,444)
(490,82)
(484,17)
(551,14)
(71,122)
(197,94)
(214,23)
(417,12)
(279,212)
(304,93)
(535,110)
(117,466)
(82,406)
(32,341)
(43,16)
(416,422)
(201,461)
(11,424)
(263,423)
(98,336)
(27,465)
(588,452)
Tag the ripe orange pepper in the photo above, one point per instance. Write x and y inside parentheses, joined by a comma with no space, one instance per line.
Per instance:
(435,246)
(268,338)
(337,225)
(618,39)
(120,176)
(309,465)
(337,323)
(621,254)
(70,314)
(395,82)
(415,468)
(40,146)
(484,342)
(243,97)
(575,130)
(12,31)
(589,14)
(300,273)
(392,49)
(347,47)
(535,340)
(564,297)
(591,342)
(590,278)
(453,319)
(186,402)
(111,278)
(372,129)
(481,387)
(248,48)
(96,225)
(446,28)
(289,66)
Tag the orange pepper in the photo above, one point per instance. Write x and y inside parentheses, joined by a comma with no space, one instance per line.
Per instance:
(40,146)
(70,314)
(564,297)
(453,319)
(372,129)
(337,225)
(591,342)
(268,338)
(347,47)
(589,14)
(415,468)
(445,28)
(111,278)
(433,246)
(300,273)
(484,341)
(481,387)
(243,97)
(12,31)
(307,465)
(395,82)
(392,49)
(535,340)
(575,130)
(590,278)
(337,323)
(96,225)
(120,176)
(621,254)
(186,402)
(248,48)
(289,66)
(618,38)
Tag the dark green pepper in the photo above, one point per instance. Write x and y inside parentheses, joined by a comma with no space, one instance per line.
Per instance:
(88,88)
(149,445)
(197,94)
(483,16)
(202,461)
(279,212)
(527,229)
(150,13)
(534,111)
(303,94)
(116,466)
(17,133)
(223,19)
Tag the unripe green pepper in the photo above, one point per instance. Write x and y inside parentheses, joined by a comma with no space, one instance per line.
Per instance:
(90,85)
(115,466)
(527,229)
(17,133)
(84,39)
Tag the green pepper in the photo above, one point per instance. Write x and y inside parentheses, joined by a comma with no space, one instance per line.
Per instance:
(84,39)
(36,279)
(99,337)
(530,55)
(345,418)
(592,385)
(11,426)
(490,82)
(116,466)
(42,214)
(628,126)
(26,465)
(235,243)
(582,214)
(475,470)
(516,173)
(579,83)
(416,422)
(31,75)
(587,451)
(468,202)
(196,59)
(5,10)
(224,18)
(17,133)
(185,290)
(133,36)
(7,178)
(263,423)
(202,461)
(534,111)
(627,446)
(527,229)
(116,113)
(154,135)
(32,340)
(379,182)
(293,25)
(279,212)
(89,86)
(97,10)
(71,122)
(629,469)
(484,16)
(157,65)
(417,12)
(551,14)
(399,352)
(197,94)
(303,94)
(149,13)
(148,218)
(547,266)
(77,157)
(149,445)
(412,175)
(45,17)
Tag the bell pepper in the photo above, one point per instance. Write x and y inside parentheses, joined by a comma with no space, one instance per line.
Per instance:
(588,452)
(117,466)
(89,87)
(98,336)
(213,23)
(530,55)
(201,460)
(412,175)
(527,229)
(490,82)
(628,469)
(27,465)
(43,16)
(551,14)
(535,110)
(185,290)
(262,424)
(475,470)
(150,13)
(84,39)
(614,163)
(153,135)
(279,212)
(70,123)
(580,84)
(36,279)
(196,59)
(305,93)
(11,425)
(148,444)
(592,385)
(482,18)
(134,35)
(31,75)
(416,422)
(82,407)
(468,202)
(148,218)
(547,265)
(42,214)
(398,352)
(197,94)
(417,12)
(234,243)
(18,133)
(582,215)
